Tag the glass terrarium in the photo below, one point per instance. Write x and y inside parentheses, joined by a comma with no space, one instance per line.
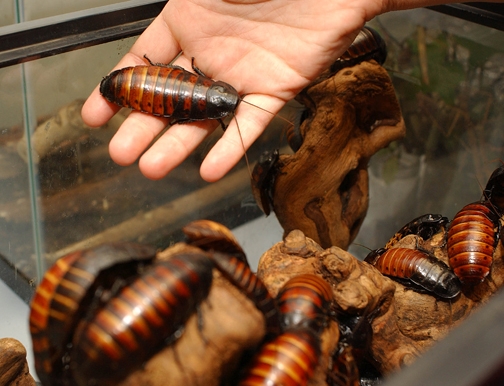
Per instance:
(61,192)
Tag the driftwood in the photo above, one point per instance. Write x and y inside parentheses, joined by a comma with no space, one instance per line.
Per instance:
(13,365)
(322,189)
(405,323)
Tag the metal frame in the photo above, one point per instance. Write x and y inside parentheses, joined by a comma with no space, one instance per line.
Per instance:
(487,14)
(54,35)
(471,355)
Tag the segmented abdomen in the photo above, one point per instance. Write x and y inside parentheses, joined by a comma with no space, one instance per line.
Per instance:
(167,91)
(57,305)
(419,268)
(288,360)
(471,242)
(305,301)
(134,324)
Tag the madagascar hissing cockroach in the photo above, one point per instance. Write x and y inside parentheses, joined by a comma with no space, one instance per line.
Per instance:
(344,370)
(288,360)
(56,306)
(212,236)
(475,231)
(138,321)
(170,91)
(416,269)
(305,301)
(367,45)
(263,180)
(494,190)
(424,226)
(472,239)
(230,260)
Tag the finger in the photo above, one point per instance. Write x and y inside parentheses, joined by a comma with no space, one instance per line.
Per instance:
(173,147)
(134,136)
(229,149)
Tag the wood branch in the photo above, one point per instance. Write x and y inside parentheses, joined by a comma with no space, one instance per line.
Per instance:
(13,365)
(322,189)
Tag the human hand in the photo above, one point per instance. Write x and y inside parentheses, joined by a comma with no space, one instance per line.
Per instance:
(266,50)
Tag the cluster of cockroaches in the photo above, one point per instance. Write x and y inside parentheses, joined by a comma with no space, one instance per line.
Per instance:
(471,239)
(100,313)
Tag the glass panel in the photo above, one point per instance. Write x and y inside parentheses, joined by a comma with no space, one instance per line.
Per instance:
(34,9)
(7,16)
(17,249)
(449,78)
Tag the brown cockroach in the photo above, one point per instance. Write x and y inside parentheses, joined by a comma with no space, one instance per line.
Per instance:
(367,45)
(55,308)
(305,301)
(289,360)
(475,231)
(230,260)
(472,240)
(138,321)
(416,269)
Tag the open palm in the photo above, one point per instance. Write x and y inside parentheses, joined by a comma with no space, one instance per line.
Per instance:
(266,49)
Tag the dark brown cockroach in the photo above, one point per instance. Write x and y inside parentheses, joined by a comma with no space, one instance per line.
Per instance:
(416,269)
(170,91)
(263,180)
(212,236)
(288,360)
(135,323)
(55,307)
(305,301)
(472,239)
(344,369)
(424,226)
(230,260)
(494,190)
(367,45)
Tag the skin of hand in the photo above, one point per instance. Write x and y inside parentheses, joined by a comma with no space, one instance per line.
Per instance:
(268,50)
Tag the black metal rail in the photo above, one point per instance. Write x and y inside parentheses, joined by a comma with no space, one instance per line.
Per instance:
(54,35)
(487,14)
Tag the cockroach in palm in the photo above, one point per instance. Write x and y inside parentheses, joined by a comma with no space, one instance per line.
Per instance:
(173,92)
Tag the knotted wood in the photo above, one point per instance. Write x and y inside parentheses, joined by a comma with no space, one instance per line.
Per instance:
(322,189)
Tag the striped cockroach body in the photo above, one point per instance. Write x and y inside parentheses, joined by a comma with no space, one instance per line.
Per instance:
(56,306)
(416,269)
(135,323)
(170,91)
(289,360)
(305,301)
(472,238)
(230,260)
(475,231)
(212,236)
